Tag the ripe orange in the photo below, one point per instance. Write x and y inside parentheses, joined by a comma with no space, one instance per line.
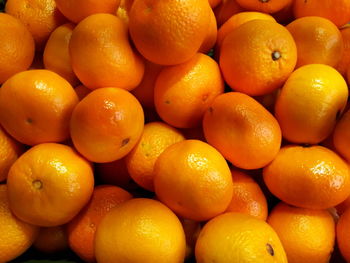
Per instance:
(101,54)
(106,124)
(225,10)
(17,47)
(318,41)
(307,235)
(310,103)
(193,179)
(140,230)
(156,137)
(243,131)
(235,237)
(169,32)
(344,62)
(266,6)
(82,91)
(341,136)
(15,236)
(40,16)
(51,239)
(343,234)
(56,54)
(49,184)
(184,92)
(263,63)
(36,105)
(210,39)
(309,177)
(82,229)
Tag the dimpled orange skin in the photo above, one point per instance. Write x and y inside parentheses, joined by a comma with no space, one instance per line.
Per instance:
(49,184)
(336,11)
(243,131)
(263,63)
(101,54)
(106,124)
(193,179)
(17,47)
(344,62)
(341,136)
(169,32)
(307,235)
(343,235)
(308,177)
(184,92)
(269,6)
(310,102)
(36,105)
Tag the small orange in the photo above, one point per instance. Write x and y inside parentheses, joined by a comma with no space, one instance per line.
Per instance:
(192,230)
(49,184)
(344,62)
(225,10)
(17,47)
(265,6)
(307,235)
(210,39)
(140,230)
(51,239)
(309,177)
(169,32)
(81,230)
(56,54)
(243,131)
(156,137)
(184,92)
(263,63)
(101,54)
(343,235)
(40,16)
(341,136)
(106,124)
(36,105)
(248,197)
(82,91)
(193,179)
(16,236)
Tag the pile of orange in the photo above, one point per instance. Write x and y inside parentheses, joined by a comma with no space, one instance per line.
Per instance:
(176,130)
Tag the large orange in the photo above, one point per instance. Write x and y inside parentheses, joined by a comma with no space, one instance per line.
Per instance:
(169,32)
(17,47)
(101,54)
(307,235)
(341,136)
(184,92)
(243,131)
(193,179)
(106,124)
(265,60)
(310,103)
(343,235)
(344,62)
(16,236)
(225,10)
(36,105)
(140,230)
(51,240)
(49,184)
(266,6)
(81,230)
(309,177)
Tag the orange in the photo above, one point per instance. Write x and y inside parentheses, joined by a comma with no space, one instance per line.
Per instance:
(243,131)
(225,10)
(77,10)
(235,237)
(40,16)
(156,137)
(144,92)
(341,136)
(169,32)
(82,91)
(210,39)
(10,150)
(310,102)
(192,230)
(307,235)
(140,230)
(265,6)
(101,54)
(248,198)
(214,3)
(49,184)
(106,124)
(51,239)
(344,62)
(318,41)
(343,235)
(15,236)
(81,230)
(56,54)
(308,177)
(263,63)
(36,105)
(124,10)
(193,179)
(17,47)
(337,11)
(184,92)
